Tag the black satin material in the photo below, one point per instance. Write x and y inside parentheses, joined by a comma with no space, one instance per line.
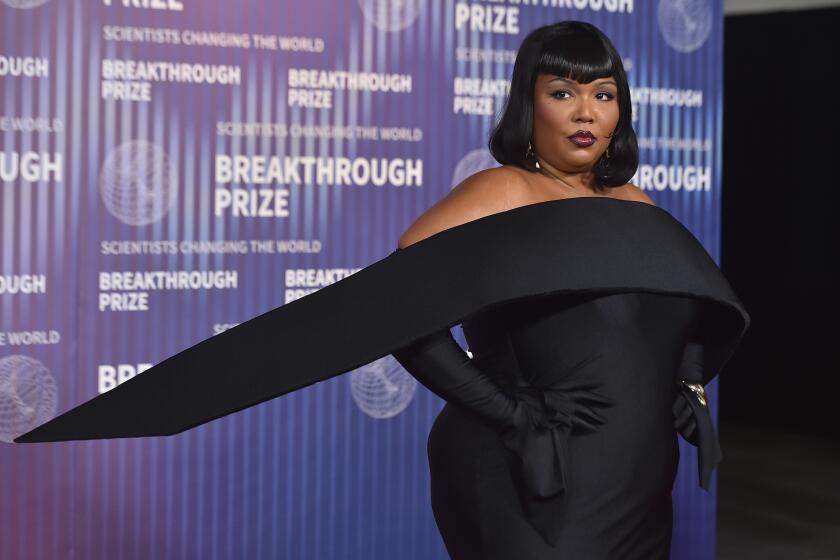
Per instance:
(558,493)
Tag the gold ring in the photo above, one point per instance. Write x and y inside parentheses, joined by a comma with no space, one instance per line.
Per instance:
(699,391)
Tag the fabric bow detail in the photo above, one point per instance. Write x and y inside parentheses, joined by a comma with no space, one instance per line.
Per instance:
(540,445)
(688,404)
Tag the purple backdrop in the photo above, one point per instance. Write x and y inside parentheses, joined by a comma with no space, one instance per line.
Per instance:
(171,168)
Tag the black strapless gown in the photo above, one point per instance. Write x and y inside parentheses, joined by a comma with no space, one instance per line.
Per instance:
(617,501)
(640,280)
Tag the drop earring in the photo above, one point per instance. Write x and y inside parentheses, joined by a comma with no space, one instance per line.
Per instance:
(530,153)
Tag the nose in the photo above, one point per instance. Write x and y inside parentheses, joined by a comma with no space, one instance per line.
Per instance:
(583,112)
(583,109)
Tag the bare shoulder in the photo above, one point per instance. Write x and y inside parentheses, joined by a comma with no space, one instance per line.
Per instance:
(632,192)
(487,192)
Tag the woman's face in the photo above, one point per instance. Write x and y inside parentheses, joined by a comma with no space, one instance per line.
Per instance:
(563,107)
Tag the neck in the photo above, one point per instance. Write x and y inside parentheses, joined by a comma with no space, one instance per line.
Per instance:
(579,182)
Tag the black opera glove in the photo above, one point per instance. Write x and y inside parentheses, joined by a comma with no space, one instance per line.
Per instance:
(691,400)
(441,365)
(684,413)
(534,423)
(692,417)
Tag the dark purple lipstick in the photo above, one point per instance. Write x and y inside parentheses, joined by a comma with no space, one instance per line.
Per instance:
(583,138)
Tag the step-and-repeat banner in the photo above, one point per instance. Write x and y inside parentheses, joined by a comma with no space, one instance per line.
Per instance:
(170,168)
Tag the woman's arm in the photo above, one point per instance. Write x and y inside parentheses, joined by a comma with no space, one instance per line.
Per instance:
(437,360)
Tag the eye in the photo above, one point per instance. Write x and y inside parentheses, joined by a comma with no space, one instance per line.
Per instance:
(608,95)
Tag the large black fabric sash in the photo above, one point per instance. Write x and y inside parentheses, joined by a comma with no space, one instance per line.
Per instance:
(574,245)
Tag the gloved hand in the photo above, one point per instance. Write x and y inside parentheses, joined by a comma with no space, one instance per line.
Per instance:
(692,417)
(685,420)
(690,375)
(441,365)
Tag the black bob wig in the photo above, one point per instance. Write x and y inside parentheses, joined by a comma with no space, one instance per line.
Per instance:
(579,51)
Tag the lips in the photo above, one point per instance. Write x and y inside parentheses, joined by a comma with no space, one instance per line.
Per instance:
(582,139)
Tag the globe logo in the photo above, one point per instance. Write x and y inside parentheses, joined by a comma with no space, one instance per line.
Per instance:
(138,184)
(685,24)
(28,396)
(382,388)
(24,4)
(390,15)
(472,163)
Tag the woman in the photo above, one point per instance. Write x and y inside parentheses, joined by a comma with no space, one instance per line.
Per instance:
(566,133)
(593,316)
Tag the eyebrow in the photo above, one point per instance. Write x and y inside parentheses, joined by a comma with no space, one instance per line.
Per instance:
(606,81)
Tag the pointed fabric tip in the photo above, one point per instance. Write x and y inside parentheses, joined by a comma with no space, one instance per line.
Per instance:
(135,408)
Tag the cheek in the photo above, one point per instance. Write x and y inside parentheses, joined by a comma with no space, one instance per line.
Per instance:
(611,112)
(547,115)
